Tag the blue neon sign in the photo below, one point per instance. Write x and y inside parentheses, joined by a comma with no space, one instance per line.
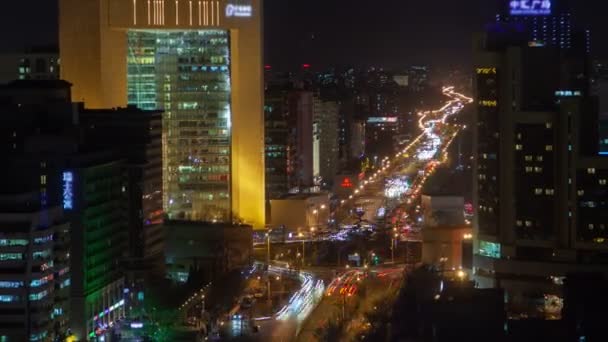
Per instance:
(530,7)
(68,190)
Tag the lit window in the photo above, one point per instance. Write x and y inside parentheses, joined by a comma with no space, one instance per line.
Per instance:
(11,284)
(538,191)
(8,298)
(528,223)
(529,169)
(13,242)
(519,147)
(519,223)
(591,171)
(549,148)
(41,281)
(38,296)
(42,179)
(602,182)
(489,249)
(43,239)
(538,169)
(11,256)
(581,192)
(529,158)
(539,158)
(548,125)
(591,226)
(549,192)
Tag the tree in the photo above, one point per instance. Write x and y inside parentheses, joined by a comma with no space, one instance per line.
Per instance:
(330,332)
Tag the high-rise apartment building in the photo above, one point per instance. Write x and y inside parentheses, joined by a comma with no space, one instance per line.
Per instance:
(136,138)
(100,172)
(34,261)
(200,62)
(325,140)
(301,161)
(539,186)
(277,141)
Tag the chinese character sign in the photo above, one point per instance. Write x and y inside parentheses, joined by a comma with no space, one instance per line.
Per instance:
(530,7)
(68,190)
(239,11)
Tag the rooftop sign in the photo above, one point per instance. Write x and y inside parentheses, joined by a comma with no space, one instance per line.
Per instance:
(530,7)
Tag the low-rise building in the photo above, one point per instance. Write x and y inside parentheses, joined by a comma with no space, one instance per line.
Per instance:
(206,251)
(300,212)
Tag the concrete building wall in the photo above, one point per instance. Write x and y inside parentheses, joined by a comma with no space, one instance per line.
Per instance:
(300,212)
(442,211)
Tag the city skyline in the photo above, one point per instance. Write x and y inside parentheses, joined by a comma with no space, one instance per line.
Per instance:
(390,171)
(333,29)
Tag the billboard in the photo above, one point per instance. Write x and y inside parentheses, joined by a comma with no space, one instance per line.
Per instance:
(384,119)
(530,7)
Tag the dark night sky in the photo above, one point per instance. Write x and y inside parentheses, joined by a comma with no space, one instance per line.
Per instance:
(322,32)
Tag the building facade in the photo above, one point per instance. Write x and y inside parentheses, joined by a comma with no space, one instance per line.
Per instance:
(35,280)
(200,62)
(301,212)
(39,63)
(277,141)
(325,141)
(204,252)
(136,137)
(101,170)
(539,185)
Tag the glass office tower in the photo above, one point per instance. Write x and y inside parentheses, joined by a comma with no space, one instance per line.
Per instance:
(187,74)
(200,61)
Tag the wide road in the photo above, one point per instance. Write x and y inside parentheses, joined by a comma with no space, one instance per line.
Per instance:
(397,183)
(399,180)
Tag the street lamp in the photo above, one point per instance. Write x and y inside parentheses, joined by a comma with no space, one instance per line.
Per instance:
(268,264)
(302,237)
(393,242)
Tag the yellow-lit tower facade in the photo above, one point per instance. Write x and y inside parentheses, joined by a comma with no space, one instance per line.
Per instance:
(201,62)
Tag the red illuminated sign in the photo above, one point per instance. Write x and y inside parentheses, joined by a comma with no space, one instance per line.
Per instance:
(468,208)
(346,183)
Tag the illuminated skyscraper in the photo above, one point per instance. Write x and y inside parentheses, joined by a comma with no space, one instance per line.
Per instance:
(201,62)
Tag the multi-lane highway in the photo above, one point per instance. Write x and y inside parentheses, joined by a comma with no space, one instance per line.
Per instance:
(396,185)
(399,180)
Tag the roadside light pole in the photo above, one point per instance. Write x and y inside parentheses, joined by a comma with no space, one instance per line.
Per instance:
(301,236)
(268,264)
(268,248)
(393,243)
(343,307)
